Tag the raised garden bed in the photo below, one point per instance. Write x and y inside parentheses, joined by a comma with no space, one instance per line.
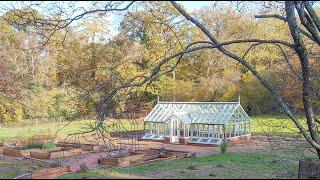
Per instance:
(55,153)
(12,151)
(24,151)
(122,161)
(143,156)
(39,139)
(50,173)
(84,147)
(68,145)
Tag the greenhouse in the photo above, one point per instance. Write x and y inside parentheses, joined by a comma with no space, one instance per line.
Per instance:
(197,122)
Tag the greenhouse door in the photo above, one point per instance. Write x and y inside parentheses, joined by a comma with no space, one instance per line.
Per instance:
(174,135)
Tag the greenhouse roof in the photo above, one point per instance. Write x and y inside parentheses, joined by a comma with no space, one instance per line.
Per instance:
(195,112)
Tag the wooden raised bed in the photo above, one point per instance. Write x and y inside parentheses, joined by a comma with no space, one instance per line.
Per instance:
(122,161)
(68,145)
(9,151)
(42,138)
(55,153)
(144,156)
(52,172)
(22,142)
(166,152)
(39,139)
(84,147)
(156,160)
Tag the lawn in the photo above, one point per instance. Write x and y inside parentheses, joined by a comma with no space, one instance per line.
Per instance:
(10,168)
(261,125)
(274,125)
(7,132)
(252,165)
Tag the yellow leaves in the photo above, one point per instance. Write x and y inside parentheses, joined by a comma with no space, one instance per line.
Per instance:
(10,110)
(55,103)
(230,93)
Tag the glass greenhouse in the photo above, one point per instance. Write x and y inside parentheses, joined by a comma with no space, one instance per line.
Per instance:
(196,122)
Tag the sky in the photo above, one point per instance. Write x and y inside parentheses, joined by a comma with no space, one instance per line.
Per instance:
(192,5)
(114,20)
(189,5)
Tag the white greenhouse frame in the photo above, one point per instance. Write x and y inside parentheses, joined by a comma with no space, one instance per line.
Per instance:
(197,122)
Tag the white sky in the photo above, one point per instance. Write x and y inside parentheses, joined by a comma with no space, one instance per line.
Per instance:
(114,20)
(189,5)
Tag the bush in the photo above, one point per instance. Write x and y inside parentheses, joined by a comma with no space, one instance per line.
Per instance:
(192,167)
(223,147)
(84,168)
(48,145)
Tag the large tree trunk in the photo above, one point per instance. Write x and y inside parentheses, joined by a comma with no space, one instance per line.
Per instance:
(304,62)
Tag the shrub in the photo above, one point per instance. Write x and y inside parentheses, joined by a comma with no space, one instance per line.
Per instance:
(223,147)
(48,145)
(192,167)
(84,168)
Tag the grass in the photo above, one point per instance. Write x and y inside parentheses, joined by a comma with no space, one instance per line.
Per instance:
(251,165)
(49,128)
(48,145)
(275,125)
(10,169)
(261,125)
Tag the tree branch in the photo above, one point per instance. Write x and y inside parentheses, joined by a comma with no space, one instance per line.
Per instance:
(303,56)
(271,16)
(306,23)
(312,14)
(285,20)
